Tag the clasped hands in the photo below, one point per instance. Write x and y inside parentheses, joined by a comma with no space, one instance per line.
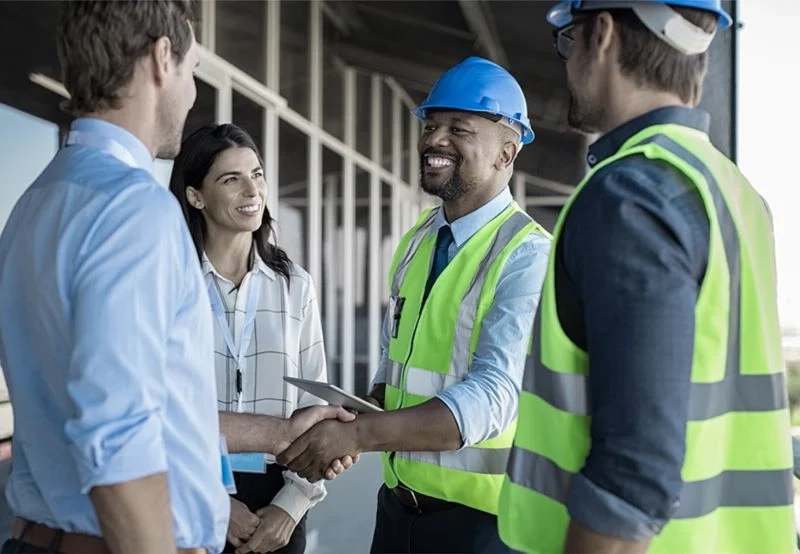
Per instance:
(326,446)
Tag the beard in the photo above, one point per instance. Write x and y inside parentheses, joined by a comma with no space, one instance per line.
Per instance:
(171,132)
(452,189)
(584,113)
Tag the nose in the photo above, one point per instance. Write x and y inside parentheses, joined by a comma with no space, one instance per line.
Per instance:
(251,187)
(438,137)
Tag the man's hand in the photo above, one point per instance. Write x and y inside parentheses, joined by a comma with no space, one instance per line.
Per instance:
(243,523)
(316,451)
(305,418)
(273,532)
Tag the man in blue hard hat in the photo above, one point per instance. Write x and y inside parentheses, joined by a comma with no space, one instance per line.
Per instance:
(653,413)
(465,282)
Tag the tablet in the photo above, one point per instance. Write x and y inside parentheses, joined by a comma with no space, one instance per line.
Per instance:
(333,394)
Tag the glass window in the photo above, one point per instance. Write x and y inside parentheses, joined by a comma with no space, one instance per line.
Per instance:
(249,116)
(294,84)
(204,111)
(24,153)
(293,179)
(241,35)
(364,113)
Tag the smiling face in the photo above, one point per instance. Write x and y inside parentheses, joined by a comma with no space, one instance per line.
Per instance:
(461,152)
(232,194)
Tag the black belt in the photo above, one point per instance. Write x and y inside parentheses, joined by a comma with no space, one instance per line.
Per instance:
(419,501)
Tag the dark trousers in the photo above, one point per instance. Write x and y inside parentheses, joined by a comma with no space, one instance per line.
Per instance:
(13,546)
(449,528)
(256,490)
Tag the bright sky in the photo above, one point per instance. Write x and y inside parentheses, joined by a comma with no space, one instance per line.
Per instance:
(769,129)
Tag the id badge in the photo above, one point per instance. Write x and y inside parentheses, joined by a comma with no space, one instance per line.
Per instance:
(227,470)
(249,462)
(396,309)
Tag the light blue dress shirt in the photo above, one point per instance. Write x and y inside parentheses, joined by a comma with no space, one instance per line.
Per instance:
(485,402)
(106,341)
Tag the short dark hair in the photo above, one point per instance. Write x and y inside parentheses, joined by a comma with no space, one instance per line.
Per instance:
(99,43)
(651,61)
(191,166)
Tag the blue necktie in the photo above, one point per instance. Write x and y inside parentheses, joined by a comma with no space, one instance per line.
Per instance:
(440,258)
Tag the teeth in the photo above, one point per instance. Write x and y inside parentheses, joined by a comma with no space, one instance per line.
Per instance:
(249,209)
(437,161)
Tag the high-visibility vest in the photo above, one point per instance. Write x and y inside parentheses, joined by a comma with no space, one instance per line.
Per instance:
(431,348)
(737,473)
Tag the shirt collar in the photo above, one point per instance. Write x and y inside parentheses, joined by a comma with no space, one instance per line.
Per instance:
(610,143)
(116,133)
(464,227)
(255,262)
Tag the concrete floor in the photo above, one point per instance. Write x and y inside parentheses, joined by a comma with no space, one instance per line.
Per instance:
(343,522)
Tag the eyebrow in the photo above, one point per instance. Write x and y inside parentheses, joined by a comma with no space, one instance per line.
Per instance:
(236,173)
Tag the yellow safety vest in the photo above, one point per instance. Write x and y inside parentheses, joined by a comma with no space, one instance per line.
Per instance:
(431,348)
(737,492)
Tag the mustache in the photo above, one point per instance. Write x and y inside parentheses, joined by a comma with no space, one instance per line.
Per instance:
(431,151)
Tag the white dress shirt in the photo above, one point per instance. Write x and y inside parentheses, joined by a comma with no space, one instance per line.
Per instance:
(286,341)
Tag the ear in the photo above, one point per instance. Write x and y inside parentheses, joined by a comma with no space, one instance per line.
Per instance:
(161,55)
(603,35)
(508,153)
(195,198)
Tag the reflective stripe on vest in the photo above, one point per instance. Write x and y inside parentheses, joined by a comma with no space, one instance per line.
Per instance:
(564,392)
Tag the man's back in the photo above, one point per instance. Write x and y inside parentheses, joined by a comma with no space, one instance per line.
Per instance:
(106,342)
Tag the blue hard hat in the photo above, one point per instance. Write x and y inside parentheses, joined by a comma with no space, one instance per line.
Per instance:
(560,15)
(479,85)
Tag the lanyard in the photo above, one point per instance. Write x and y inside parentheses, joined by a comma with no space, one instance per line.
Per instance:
(105,144)
(254,293)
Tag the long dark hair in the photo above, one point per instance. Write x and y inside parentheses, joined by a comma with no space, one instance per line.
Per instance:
(191,166)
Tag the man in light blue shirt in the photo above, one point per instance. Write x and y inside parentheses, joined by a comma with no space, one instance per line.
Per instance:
(475,123)
(105,329)
(106,334)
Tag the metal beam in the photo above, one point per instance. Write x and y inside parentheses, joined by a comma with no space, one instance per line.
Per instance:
(529,201)
(415,20)
(480,20)
(314,192)
(375,289)
(548,184)
(348,260)
(422,74)
(344,17)
(556,201)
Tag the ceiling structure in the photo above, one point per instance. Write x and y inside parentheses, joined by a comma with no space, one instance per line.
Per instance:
(410,41)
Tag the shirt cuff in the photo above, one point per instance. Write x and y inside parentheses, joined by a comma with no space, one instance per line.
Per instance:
(450,399)
(607,514)
(121,454)
(295,501)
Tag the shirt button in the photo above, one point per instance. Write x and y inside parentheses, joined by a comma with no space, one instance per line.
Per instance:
(592,159)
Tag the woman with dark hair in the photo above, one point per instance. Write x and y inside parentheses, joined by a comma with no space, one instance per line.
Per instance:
(267,325)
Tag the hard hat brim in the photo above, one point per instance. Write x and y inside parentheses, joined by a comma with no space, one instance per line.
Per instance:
(561,14)
(419,112)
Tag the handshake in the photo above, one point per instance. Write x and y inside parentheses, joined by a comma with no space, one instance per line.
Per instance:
(321,442)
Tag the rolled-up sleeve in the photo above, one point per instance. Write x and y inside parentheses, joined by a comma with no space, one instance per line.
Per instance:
(383,362)
(633,251)
(125,293)
(485,402)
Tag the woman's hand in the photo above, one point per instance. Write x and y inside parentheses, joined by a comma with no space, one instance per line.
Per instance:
(243,523)
(273,533)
